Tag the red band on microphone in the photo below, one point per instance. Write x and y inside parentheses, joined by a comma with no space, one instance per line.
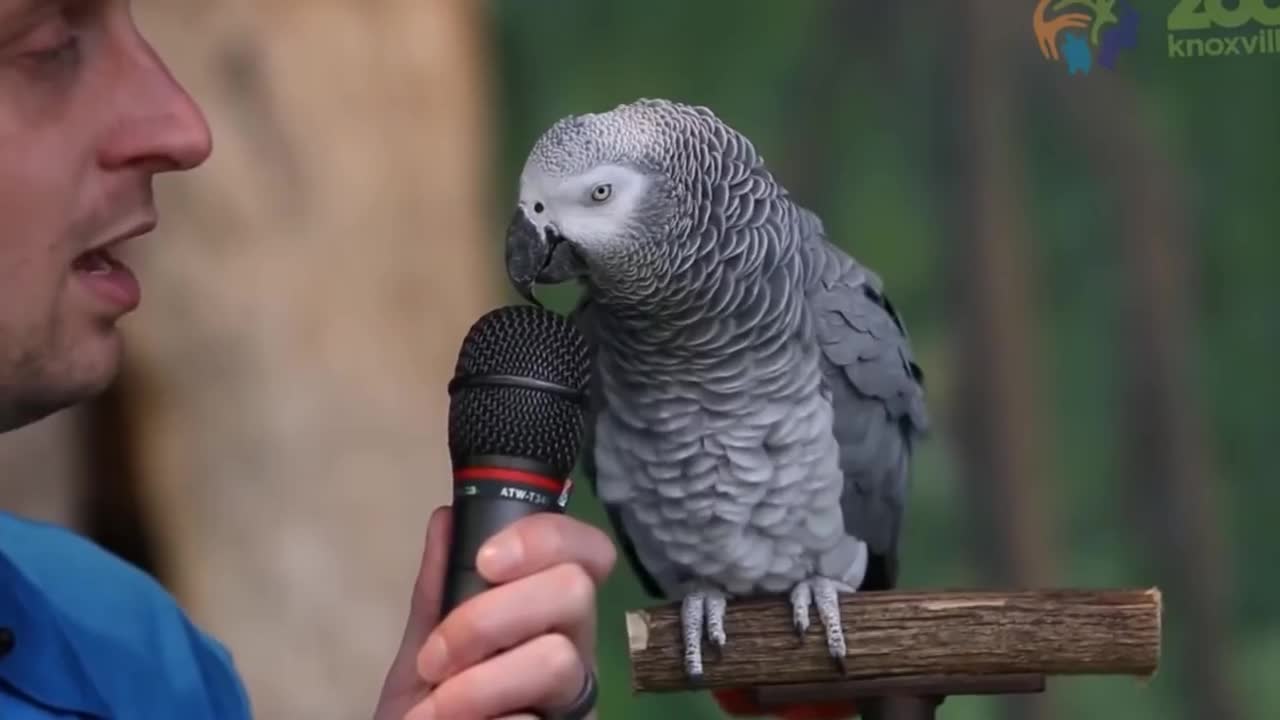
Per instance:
(507,474)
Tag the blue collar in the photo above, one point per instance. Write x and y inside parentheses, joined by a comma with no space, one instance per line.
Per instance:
(41,663)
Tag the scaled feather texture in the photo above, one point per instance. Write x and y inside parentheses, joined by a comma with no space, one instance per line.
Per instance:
(754,397)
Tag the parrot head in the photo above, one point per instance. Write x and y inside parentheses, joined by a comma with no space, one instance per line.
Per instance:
(607,198)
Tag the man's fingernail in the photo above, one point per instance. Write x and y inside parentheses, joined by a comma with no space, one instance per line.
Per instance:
(500,556)
(434,657)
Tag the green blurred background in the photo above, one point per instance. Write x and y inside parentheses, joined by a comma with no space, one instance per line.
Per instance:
(1084,264)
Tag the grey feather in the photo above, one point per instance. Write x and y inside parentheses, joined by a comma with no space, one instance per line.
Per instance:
(877,390)
(754,399)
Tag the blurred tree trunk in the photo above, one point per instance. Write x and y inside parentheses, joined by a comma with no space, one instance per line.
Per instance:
(842,35)
(1167,452)
(999,427)
(306,295)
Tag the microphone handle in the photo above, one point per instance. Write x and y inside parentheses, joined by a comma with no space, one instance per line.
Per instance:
(491,493)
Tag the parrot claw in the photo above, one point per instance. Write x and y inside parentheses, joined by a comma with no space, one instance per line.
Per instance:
(823,594)
(702,612)
(801,599)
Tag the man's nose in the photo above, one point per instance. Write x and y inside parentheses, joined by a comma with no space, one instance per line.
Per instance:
(159,124)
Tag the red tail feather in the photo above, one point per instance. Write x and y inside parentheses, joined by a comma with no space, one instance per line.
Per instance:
(739,703)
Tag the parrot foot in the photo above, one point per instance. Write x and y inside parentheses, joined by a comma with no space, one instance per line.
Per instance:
(822,594)
(702,612)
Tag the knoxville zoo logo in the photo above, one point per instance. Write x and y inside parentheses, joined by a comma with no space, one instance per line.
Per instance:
(1213,28)
(1084,39)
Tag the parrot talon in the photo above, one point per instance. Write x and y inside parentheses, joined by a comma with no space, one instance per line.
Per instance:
(702,611)
(691,617)
(715,604)
(823,595)
(801,599)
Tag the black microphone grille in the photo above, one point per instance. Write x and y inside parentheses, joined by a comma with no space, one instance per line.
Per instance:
(519,389)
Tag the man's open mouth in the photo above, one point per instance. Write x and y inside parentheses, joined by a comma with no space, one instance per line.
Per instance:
(107,278)
(98,261)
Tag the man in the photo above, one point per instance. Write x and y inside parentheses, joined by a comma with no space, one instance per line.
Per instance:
(88,116)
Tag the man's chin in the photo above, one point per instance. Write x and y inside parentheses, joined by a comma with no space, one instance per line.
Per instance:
(36,403)
(100,362)
(79,363)
(92,369)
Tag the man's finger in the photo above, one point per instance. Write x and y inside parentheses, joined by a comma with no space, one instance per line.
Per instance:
(424,605)
(537,542)
(543,675)
(559,599)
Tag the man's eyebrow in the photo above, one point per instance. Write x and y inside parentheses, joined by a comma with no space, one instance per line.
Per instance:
(15,13)
(17,8)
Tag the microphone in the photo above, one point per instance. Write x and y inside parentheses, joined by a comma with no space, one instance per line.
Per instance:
(516,405)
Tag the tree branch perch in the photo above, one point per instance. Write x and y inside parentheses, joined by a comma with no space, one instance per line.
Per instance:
(924,643)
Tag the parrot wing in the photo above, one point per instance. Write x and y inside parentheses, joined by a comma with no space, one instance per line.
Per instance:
(877,392)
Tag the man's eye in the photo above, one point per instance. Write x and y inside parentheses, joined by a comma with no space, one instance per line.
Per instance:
(54,42)
(65,52)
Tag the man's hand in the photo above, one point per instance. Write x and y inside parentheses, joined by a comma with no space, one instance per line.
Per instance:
(526,645)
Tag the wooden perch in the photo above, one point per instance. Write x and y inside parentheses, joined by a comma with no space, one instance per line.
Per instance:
(927,643)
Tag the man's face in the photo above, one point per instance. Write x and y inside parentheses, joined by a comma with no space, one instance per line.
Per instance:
(88,115)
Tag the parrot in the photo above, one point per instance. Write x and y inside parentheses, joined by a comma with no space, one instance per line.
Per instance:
(754,402)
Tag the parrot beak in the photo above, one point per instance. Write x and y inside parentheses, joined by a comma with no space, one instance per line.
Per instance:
(526,254)
(536,255)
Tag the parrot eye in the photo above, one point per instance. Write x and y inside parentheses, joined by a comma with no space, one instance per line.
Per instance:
(600,193)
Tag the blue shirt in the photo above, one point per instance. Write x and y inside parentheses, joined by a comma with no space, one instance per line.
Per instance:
(85,635)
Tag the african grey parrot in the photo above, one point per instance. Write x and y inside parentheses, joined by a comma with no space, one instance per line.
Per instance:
(754,399)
